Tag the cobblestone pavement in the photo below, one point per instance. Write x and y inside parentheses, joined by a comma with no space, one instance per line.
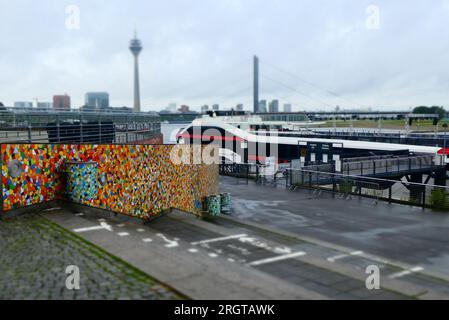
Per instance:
(34,255)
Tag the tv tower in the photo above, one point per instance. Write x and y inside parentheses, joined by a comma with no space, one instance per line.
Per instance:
(136,47)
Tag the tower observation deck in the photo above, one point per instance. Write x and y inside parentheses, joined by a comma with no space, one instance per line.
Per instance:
(136,47)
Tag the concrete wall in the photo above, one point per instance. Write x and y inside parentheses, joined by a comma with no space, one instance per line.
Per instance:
(140,180)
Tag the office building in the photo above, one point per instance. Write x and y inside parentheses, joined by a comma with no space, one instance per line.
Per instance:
(23,104)
(61,102)
(274,106)
(287,107)
(97,100)
(262,106)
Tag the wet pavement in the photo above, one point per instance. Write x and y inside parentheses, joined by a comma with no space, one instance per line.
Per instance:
(417,237)
(290,245)
(220,259)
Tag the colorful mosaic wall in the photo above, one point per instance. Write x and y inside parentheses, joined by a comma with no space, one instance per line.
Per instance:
(136,180)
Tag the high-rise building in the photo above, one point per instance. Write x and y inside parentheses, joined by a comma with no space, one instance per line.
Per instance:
(184,109)
(262,106)
(204,108)
(61,102)
(274,106)
(136,47)
(239,107)
(97,100)
(256,84)
(215,107)
(287,107)
(171,107)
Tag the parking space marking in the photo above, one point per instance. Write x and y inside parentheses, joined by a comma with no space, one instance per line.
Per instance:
(52,209)
(102,226)
(275,259)
(123,234)
(219,239)
(213,255)
(140,230)
(344,255)
(147,240)
(170,243)
(405,272)
(193,250)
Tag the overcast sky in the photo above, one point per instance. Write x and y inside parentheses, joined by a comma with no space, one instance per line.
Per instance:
(393,55)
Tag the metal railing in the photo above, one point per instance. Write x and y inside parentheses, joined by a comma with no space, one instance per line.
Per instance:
(77,127)
(397,191)
(389,165)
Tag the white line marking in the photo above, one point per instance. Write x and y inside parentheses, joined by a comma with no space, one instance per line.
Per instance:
(278,258)
(284,250)
(231,260)
(102,226)
(170,243)
(147,240)
(213,255)
(53,209)
(193,250)
(120,225)
(123,234)
(344,255)
(219,239)
(79,214)
(140,230)
(405,272)
(102,220)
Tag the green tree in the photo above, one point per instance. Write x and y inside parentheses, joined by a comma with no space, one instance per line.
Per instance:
(431,110)
(421,110)
(438,110)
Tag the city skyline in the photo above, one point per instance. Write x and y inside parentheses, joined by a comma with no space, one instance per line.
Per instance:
(386,66)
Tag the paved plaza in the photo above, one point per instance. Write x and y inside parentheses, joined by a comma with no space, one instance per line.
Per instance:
(35,254)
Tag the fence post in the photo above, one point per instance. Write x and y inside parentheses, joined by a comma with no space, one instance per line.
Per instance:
(81,128)
(424,197)
(126,135)
(58,129)
(29,129)
(389,194)
(334,185)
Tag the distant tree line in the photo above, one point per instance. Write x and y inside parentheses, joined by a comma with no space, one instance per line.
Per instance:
(431,110)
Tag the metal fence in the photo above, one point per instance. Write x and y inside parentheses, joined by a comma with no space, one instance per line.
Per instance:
(397,191)
(388,165)
(77,127)
(247,171)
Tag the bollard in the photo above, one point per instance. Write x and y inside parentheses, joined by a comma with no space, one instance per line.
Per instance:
(225,202)
(213,203)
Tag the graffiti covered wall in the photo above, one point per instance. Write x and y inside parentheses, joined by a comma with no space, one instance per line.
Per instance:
(137,180)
